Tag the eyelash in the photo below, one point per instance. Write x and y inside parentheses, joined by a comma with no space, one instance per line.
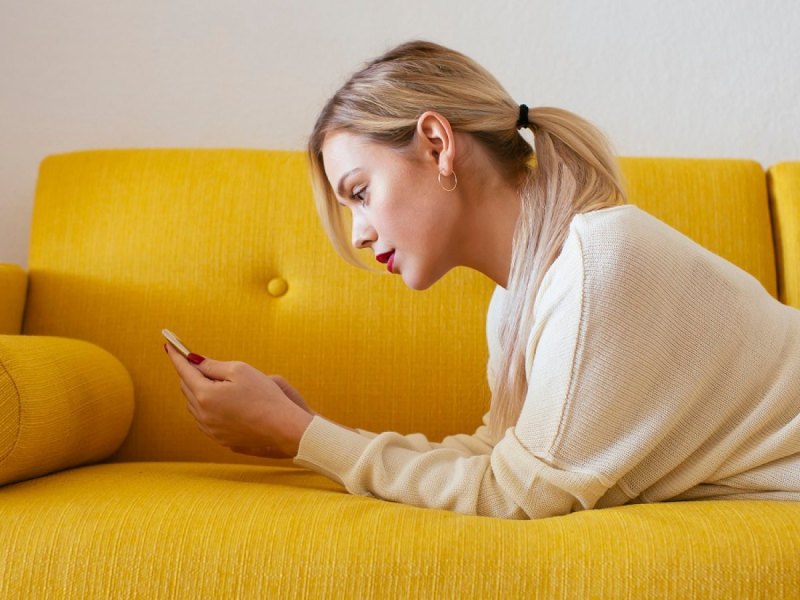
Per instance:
(355,195)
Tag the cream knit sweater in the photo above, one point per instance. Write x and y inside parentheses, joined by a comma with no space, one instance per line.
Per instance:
(657,371)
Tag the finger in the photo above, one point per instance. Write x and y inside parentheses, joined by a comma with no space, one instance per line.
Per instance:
(191,402)
(188,393)
(286,388)
(205,431)
(216,370)
(186,371)
(192,411)
(292,393)
(190,397)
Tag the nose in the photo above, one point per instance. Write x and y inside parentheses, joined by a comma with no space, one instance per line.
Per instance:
(363,233)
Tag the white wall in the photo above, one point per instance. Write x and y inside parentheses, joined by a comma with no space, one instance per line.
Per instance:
(719,78)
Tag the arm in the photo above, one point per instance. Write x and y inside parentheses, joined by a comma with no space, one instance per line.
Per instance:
(509,483)
(258,414)
(513,479)
(478,443)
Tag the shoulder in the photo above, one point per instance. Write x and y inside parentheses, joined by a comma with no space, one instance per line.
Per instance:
(628,232)
(613,230)
(625,247)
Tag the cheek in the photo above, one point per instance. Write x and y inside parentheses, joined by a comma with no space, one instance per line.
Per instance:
(411,215)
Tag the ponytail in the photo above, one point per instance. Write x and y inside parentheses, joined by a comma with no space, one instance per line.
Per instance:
(574,172)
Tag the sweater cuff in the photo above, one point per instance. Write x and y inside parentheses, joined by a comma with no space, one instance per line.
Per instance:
(330,449)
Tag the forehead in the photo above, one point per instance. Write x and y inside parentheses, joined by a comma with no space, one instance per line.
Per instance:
(343,151)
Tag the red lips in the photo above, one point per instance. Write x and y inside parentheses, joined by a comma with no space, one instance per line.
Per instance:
(384,258)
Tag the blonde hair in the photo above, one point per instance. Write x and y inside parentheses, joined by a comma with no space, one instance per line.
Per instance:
(572,170)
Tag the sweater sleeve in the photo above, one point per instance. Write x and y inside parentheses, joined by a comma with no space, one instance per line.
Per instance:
(509,483)
(478,443)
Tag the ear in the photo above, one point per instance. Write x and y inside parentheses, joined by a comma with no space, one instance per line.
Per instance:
(437,141)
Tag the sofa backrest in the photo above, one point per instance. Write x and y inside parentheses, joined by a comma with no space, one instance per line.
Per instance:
(225,248)
(13,286)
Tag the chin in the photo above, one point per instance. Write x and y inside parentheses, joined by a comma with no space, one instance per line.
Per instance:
(418,286)
(420,281)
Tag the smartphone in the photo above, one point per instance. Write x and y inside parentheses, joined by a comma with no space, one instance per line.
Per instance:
(176,342)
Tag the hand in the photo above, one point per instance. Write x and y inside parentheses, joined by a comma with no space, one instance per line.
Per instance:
(293,394)
(241,408)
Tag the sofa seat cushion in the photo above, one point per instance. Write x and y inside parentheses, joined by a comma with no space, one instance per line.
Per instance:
(202,530)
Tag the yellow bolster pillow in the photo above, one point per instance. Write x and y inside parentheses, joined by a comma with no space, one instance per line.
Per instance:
(63,403)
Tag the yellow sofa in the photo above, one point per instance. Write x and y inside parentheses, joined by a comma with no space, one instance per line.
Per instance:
(108,489)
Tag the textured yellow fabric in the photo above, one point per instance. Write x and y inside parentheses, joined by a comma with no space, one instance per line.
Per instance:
(167,530)
(720,203)
(125,243)
(62,403)
(784,187)
(13,285)
(225,248)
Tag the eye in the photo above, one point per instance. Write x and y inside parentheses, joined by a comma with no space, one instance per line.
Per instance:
(359,195)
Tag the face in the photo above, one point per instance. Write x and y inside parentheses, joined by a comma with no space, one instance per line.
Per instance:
(396,204)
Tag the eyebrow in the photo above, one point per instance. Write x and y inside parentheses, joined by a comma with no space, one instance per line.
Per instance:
(340,186)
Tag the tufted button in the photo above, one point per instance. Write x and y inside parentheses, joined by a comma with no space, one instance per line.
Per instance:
(277,286)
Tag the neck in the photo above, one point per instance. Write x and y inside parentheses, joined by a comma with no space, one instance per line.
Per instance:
(493,209)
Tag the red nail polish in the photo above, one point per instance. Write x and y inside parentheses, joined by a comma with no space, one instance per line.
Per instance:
(195,358)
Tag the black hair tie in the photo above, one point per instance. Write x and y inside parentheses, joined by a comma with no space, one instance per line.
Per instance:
(523,117)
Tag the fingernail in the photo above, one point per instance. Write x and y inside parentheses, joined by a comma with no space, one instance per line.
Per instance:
(195,358)
(165,349)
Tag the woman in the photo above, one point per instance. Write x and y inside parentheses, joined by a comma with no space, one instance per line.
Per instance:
(627,363)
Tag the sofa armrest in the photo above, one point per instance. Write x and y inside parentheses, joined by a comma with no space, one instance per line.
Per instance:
(13,287)
(63,403)
(783,180)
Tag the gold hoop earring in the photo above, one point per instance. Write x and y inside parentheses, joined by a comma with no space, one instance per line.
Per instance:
(454,185)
